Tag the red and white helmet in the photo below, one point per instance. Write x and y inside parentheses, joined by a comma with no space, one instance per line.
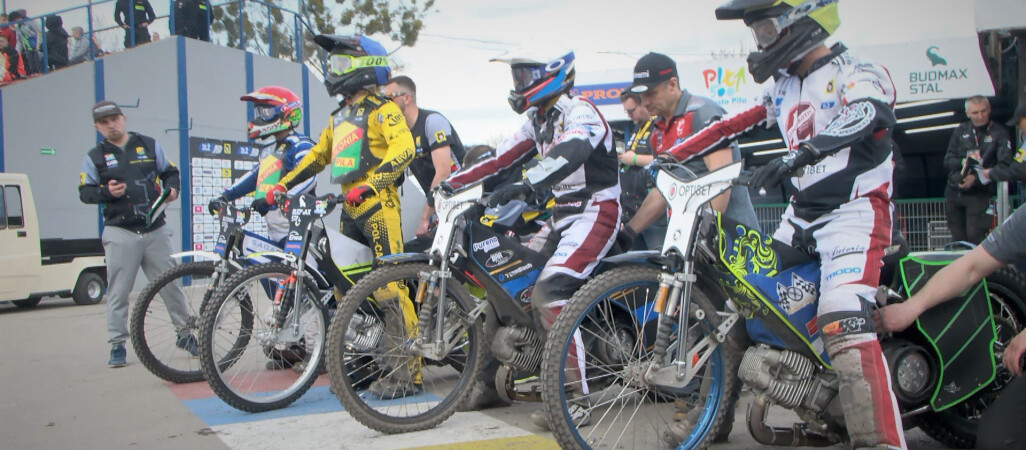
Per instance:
(275,109)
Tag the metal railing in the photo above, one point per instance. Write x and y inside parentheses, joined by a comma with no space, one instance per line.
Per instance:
(96,19)
(923,221)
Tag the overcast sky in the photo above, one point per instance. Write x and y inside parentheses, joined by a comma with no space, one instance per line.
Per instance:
(450,61)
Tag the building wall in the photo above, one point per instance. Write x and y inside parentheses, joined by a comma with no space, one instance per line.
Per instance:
(52,111)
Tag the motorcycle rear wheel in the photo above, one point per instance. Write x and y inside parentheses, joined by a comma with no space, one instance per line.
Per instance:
(956,426)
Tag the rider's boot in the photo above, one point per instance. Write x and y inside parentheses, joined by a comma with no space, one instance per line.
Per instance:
(484,394)
(401,373)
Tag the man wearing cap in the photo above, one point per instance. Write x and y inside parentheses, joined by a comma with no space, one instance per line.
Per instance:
(124,174)
(677,115)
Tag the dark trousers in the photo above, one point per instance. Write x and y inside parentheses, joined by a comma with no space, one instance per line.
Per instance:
(967,216)
(1001,423)
(142,36)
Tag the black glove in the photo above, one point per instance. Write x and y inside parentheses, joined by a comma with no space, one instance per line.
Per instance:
(775,171)
(449,187)
(508,192)
(625,239)
(216,204)
(260,205)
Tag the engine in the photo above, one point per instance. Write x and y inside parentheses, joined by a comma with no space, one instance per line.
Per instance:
(787,378)
(517,346)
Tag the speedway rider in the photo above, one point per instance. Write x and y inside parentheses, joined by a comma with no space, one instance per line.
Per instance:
(835,114)
(368,146)
(277,112)
(578,163)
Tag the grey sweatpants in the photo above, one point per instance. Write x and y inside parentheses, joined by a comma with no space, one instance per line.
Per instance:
(126,251)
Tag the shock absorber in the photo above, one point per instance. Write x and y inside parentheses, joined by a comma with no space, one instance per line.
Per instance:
(428,280)
(664,327)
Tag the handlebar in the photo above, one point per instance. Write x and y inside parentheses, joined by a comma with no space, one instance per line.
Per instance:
(228,209)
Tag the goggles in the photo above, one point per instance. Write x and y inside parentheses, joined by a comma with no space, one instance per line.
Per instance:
(767,31)
(525,75)
(266,112)
(342,64)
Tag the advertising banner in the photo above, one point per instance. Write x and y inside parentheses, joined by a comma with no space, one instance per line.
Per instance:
(214,165)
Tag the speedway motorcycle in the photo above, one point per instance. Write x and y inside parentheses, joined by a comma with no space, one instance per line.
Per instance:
(438,355)
(735,307)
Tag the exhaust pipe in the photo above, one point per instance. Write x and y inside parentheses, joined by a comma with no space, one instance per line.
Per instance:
(796,436)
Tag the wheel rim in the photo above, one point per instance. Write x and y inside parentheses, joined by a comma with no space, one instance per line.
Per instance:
(159,334)
(629,426)
(94,289)
(258,363)
(375,362)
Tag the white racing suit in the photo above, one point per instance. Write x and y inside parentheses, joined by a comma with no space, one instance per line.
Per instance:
(578,162)
(839,213)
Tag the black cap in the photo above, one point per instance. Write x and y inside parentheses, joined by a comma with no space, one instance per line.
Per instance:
(1020,112)
(652,69)
(104,109)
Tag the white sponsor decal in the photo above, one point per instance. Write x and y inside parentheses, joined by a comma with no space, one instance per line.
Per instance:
(486,245)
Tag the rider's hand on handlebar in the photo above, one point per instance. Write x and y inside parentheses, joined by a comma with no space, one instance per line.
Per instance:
(260,205)
(508,192)
(272,194)
(216,204)
(786,166)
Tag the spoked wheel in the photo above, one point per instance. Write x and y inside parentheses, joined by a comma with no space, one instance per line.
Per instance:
(161,330)
(599,347)
(377,377)
(956,426)
(260,346)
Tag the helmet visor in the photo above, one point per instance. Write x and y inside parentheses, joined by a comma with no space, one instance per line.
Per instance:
(768,30)
(525,75)
(266,112)
(342,64)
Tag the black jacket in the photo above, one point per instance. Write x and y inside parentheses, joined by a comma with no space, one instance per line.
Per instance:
(994,145)
(56,42)
(142,9)
(138,166)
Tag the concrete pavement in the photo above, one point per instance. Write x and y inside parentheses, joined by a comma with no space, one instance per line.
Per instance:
(58,392)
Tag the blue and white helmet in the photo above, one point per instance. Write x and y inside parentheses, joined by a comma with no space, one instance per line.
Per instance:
(536,80)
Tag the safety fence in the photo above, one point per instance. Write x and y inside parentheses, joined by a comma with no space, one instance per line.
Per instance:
(252,25)
(922,221)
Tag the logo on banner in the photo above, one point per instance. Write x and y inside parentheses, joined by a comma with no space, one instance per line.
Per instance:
(724,85)
(933,81)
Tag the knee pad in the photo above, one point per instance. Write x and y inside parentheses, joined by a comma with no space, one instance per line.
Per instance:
(844,329)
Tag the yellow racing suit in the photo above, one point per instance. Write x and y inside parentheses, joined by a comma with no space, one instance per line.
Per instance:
(367,142)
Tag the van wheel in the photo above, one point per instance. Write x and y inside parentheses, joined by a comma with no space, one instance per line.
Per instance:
(27,303)
(89,289)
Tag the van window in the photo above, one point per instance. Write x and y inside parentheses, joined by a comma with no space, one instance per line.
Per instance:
(3,211)
(12,206)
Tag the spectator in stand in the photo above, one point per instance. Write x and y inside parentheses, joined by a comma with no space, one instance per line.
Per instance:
(7,32)
(141,17)
(29,41)
(192,19)
(976,145)
(155,37)
(11,67)
(56,42)
(80,46)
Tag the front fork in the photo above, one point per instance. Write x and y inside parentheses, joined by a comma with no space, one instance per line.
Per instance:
(678,373)
(436,342)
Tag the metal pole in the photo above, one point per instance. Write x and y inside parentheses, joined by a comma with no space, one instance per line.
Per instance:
(297,39)
(242,38)
(270,34)
(1003,205)
(89,15)
(131,23)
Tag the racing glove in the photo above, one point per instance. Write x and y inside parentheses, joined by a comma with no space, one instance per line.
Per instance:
(216,204)
(272,193)
(776,170)
(625,238)
(260,205)
(509,192)
(358,194)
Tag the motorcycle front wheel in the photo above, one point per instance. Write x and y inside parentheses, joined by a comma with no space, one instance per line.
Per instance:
(260,347)
(608,322)
(375,374)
